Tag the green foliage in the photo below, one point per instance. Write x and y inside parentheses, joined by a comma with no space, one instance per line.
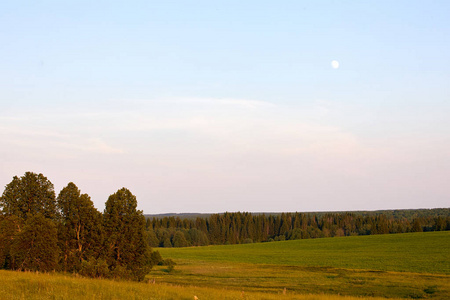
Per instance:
(169,263)
(28,195)
(416,227)
(37,232)
(198,237)
(9,227)
(238,228)
(35,246)
(96,268)
(80,229)
(121,272)
(179,240)
(156,258)
(125,238)
(167,243)
(152,240)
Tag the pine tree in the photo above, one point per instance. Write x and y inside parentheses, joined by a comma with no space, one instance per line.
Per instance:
(124,226)
(80,230)
(179,240)
(152,239)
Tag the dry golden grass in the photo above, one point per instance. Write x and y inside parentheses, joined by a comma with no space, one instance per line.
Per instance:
(31,286)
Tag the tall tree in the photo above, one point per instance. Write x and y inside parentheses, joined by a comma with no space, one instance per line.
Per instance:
(29,194)
(124,227)
(179,240)
(80,228)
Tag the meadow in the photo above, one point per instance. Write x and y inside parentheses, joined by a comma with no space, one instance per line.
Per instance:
(409,252)
(414,265)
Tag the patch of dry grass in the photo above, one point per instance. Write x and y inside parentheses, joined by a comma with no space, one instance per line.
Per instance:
(31,286)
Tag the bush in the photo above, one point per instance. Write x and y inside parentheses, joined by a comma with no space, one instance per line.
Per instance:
(156,258)
(169,263)
(121,272)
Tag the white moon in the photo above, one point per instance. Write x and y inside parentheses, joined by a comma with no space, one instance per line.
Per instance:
(335,64)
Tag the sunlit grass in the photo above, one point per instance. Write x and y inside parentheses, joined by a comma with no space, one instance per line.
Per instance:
(411,252)
(306,280)
(30,286)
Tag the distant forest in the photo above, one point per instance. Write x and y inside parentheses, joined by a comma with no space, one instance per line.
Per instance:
(244,227)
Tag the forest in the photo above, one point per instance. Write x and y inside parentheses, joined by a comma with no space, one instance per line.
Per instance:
(244,227)
(40,231)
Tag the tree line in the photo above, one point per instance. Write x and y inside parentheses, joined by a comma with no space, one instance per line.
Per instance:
(244,227)
(40,231)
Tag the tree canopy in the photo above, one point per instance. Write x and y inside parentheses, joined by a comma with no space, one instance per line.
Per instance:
(29,194)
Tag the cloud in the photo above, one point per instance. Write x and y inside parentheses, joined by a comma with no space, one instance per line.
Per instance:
(51,141)
(99,146)
(197,125)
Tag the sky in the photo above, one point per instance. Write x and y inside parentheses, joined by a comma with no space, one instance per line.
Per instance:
(213,106)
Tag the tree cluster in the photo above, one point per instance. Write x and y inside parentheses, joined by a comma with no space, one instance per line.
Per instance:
(42,232)
(243,227)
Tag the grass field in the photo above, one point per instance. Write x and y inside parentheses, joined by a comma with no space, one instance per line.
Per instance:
(411,252)
(393,266)
(415,265)
(32,286)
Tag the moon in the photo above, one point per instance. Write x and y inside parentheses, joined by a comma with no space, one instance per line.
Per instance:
(335,64)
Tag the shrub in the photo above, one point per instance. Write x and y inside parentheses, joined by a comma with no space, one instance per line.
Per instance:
(169,263)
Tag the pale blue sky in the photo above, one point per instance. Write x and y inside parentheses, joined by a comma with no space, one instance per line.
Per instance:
(208,106)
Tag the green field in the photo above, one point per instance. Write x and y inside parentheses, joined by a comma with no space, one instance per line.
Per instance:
(411,252)
(393,266)
(415,265)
